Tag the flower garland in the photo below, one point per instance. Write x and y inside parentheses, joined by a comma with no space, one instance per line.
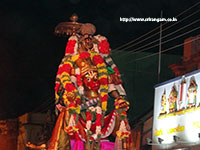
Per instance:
(103,78)
(71,93)
(122,132)
(72,127)
(121,102)
(72,45)
(64,72)
(98,111)
(71,48)
(98,119)
(71,98)
(102,47)
(102,74)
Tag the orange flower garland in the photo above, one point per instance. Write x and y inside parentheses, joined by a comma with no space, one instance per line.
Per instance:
(102,74)
(103,78)
(64,77)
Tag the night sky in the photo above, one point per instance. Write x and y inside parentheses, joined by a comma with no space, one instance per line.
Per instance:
(30,52)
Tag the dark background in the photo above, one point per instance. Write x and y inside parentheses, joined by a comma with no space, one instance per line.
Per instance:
(30,52)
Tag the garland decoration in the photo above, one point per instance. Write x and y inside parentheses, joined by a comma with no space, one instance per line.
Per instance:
(102,46)
(103,78)
(72,45)
(70,96)
(119,102)
(98,120)
(72,127)
(122,132)
(102,74)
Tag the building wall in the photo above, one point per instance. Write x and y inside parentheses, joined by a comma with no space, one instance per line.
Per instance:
(147,131)
(30,129)
(136,133)
(146,134)
(189,63)
(8,134)
(142,127)
(191,57)
(142,130)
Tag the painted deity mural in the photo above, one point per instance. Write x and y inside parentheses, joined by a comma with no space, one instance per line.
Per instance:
(179,100)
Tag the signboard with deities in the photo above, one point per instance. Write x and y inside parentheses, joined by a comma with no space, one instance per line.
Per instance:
(176,121)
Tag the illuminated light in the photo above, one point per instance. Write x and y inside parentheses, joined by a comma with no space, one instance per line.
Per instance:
(193,126)
(181,149)
(160,140)
(182,125)
(149,141)
(176,138)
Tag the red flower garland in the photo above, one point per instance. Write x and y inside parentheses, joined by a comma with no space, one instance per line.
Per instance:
(78,80)
(98,119)
(116,70)
(104,98)
(78,100)
(57,83)
(72,105)
(66,68)
(84,55)
(88,115)
(70,47)
(69,87)
(97,59)
(57,86)
(103,81)
(104,47)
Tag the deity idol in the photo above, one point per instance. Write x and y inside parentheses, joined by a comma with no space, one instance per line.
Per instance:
(192,94)
(173,100)
(163,103)
(85,78)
